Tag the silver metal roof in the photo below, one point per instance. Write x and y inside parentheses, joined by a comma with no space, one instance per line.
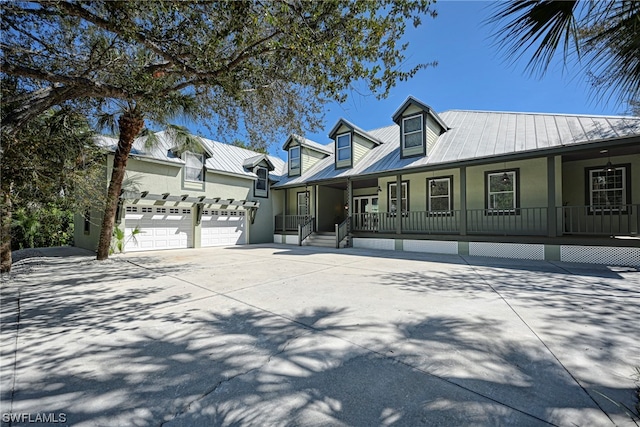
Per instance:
(222,158)
(305,142)
(477,135)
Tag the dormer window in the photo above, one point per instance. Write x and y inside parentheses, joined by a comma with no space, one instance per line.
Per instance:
(194,166)
(343,149)
(412,133)
(260,189)
(294,160)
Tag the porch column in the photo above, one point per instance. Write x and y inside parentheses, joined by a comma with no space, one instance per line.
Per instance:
(399,204)
(349,207)
(463,201)
(314,200)
(552,214)
(284,210)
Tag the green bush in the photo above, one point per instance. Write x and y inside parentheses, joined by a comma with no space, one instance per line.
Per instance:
(41,226)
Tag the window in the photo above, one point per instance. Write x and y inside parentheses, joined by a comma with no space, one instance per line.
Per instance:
(502,191)
(343,147)
(294,159)
(394,200)
(439,195)
(303,203)
(194,167)
(87,221)
(608,189)
(261,183)
(412,135)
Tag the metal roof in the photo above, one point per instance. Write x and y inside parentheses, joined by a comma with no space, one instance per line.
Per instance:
(222,158)
(476,135)
(325,149)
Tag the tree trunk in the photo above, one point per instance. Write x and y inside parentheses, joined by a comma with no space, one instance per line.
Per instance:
(5,230)
(130,124)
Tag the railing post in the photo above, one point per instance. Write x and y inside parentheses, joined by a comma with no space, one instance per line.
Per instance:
(337,236)
(552,221)
(299,234)
(463,201)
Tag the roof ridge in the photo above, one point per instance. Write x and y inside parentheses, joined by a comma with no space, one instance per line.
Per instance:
(541,113)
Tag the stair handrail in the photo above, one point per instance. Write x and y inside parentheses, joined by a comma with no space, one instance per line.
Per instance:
(305,229)
(341,232)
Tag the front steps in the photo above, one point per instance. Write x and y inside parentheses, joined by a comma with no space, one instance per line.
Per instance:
(325,239)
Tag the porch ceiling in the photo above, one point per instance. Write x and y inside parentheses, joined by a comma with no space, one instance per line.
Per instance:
(597,153)
(356,183)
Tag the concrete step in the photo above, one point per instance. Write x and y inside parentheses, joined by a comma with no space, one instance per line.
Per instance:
(323,239)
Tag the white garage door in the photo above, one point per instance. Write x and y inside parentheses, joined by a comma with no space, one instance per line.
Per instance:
(160,227)
(223,228)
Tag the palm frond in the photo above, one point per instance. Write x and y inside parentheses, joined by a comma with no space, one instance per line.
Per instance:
(107,121)
(184,139)
(541,25)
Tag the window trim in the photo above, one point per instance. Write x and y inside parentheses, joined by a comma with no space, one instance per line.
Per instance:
(449,179)
(257,191)
(200,157)
(516,189)
(403,184)
(423,146)
(349,148)
(626,191)
(297,170)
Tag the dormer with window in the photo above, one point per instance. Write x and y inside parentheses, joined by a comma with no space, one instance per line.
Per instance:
(303,154)
(260,165)
(351,144)
(194,156)
(419,126)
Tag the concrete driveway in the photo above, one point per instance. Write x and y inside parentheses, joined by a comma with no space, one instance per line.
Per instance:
(282,335)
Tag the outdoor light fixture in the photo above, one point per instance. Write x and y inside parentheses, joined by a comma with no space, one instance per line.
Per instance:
(505,178)
(608,168)
(379,189)
(433,183)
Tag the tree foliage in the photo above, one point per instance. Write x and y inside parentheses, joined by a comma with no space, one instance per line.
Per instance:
(603,36)
(50,168)
(264,66)
(267,67)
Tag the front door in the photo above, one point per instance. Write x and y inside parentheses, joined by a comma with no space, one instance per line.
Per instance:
(365,212)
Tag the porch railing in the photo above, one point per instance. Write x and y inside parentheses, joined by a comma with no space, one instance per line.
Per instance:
(521,221)
(512,222)
(621,220)
(341,231)
(304,230)
(290,222)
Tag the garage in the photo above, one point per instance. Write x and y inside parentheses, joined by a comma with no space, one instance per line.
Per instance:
(161,227)
(223,227)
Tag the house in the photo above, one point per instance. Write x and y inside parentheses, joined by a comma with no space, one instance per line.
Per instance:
(178,197)
(519,185)
(504,184)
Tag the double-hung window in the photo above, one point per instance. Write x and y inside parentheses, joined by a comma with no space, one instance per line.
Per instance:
(502,192)
(439,195)
(412,134)
(608,190)
(262,181)
(398,201)
(294,160)
(343,146)
(194,167)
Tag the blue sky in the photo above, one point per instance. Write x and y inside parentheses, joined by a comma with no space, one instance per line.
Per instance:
(471,75)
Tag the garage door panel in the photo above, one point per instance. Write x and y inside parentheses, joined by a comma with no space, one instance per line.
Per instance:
(223,228)
(160,228)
